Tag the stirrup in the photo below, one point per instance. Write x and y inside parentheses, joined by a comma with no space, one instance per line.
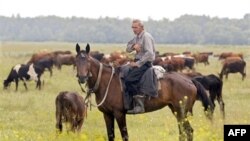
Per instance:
(138,96)
(136,110)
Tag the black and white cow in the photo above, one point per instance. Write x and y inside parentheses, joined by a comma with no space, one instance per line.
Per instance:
(24,73)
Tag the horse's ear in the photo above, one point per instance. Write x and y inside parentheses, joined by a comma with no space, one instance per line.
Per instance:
(87,48)
(77,48)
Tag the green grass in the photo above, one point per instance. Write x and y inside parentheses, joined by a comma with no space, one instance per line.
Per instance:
(30,115)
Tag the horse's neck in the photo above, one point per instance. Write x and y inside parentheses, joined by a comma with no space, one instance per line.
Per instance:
(94,70)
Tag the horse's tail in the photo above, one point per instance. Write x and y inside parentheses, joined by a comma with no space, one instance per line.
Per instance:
(205,99)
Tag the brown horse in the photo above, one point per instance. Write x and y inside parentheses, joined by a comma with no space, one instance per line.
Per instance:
(70,107)
(177,92)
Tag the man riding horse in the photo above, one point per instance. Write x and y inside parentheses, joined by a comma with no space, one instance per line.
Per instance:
(143,44)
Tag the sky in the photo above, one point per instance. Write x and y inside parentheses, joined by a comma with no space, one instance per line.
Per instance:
(140,9)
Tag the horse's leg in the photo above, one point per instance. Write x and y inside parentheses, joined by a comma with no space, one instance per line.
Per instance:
(188,129)
(79,125)
(179,120)
(59,119)
(185,129)
(121,121)
(73,124)
(109,120)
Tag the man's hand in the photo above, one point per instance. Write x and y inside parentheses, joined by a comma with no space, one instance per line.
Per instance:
(133,64)
(137,47)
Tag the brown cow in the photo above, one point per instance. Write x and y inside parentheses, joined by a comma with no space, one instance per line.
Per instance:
(231,60)
(224,55)
(116,59)
(201,58)
(38,56)
(64,59)
(57,52)
(174,64)
(233,65)
(70,108)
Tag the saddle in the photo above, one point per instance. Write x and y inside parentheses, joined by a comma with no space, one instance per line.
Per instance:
(148,85)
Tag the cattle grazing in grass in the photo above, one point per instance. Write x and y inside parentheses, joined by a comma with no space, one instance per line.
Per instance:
(70,108)
(43,59)
(57,52)
(214,85)
(233,65)
(64,59)
(224,55)
(189,63)
(201,58)
(46,59)
(97,55)
(24,73)
(38,56)
(45,63)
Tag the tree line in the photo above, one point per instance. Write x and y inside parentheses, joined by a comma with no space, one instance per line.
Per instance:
(187,29)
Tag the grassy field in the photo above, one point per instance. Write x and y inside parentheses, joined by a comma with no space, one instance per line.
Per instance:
(30,115)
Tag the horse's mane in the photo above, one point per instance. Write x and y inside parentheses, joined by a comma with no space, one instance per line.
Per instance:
(117,70)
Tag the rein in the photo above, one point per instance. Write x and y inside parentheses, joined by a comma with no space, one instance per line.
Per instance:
(97,83)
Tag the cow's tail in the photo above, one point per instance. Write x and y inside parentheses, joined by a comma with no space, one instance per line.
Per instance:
(245,68)
(59,111)
(205,99)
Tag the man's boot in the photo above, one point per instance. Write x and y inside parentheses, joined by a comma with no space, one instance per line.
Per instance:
(139,108)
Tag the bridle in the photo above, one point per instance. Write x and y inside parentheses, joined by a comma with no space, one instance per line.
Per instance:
(96,86)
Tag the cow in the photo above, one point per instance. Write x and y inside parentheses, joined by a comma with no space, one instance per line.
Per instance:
(201,58)
(57,52)
(38,56)
(116,59)
(46,59)
(24,72)
(173,64)
(97,55)
(64,59)
(224,55)
(43,59)
(45,63)
(231,65)
(70,108)
(189,63)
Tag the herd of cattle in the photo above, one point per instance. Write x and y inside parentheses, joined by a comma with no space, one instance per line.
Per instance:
(36,66)
(39,62)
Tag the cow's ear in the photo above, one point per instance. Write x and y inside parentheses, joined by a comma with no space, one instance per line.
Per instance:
(87,48)
(77,48)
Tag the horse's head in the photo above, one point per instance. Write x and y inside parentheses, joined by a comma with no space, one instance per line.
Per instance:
(82,63)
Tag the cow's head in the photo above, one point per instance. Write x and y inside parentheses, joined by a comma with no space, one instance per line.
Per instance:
(6,84)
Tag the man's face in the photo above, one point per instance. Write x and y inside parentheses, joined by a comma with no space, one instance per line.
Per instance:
(137,29)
